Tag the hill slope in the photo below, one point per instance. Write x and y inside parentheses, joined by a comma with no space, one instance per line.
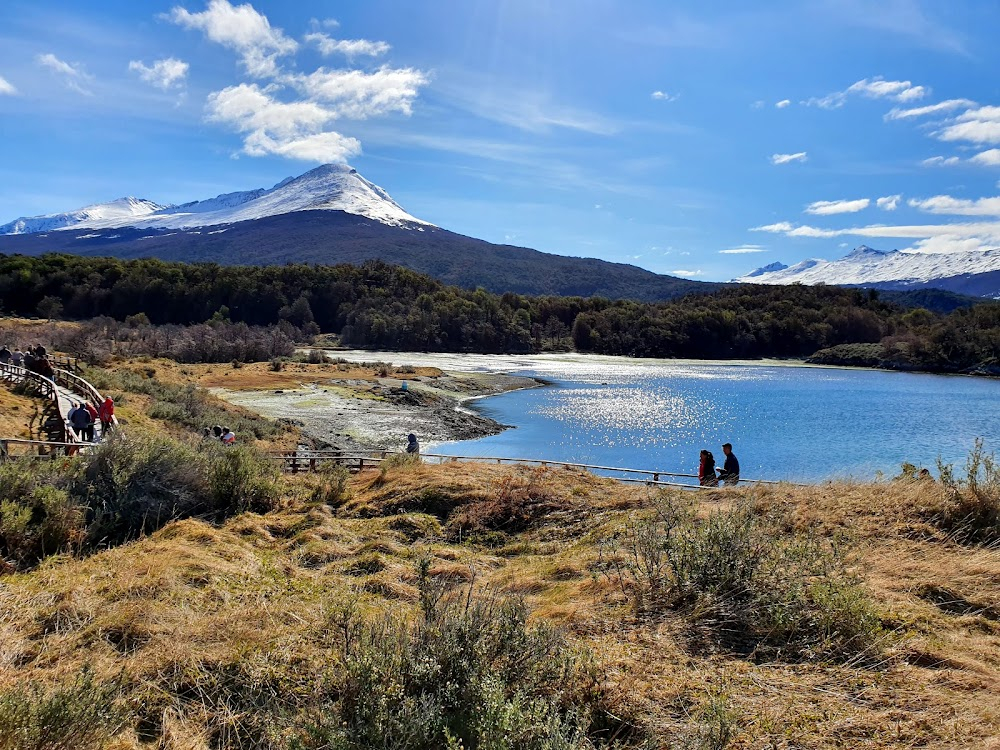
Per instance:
(330,237)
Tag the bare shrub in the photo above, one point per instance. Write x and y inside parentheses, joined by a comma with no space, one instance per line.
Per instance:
(743,577)
(972,511)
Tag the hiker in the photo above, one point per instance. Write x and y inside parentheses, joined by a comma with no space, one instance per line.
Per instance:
(412,446)
(92,413)
(217,432)
(730,472)
(107,415)
(40,351)
(80,420)
(5,355)
(17,358)
(706,470)
(228,436)
(206,434)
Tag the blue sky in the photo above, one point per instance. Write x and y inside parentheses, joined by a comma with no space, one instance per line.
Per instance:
(701,139)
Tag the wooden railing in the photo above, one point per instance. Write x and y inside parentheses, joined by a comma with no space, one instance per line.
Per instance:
(46,387)
(306,461)
(641,476)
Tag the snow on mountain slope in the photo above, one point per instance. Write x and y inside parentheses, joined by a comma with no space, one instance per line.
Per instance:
(123,210)
(331,187)
(866,266)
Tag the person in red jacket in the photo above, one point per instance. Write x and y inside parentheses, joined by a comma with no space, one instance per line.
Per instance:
(92,411)
(706,470)
(107,415)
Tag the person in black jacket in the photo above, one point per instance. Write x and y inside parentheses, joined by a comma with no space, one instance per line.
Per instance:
(730,471)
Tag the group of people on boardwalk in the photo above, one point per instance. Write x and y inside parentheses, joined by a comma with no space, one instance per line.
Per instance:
(710,476)
(35,359)
(218,432)
(83,418)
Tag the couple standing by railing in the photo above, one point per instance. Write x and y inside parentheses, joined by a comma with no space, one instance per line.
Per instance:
(729,473)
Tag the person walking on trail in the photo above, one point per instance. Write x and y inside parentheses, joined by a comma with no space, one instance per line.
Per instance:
(730,471)
(17,358)
(107,415)
(81,421)
(706,470)
(92,411)
(412,446)
(228,436)
(5,355)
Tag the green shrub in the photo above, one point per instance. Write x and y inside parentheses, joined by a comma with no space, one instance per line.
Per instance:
(38,517)
(331,486)
(241,479)
(972,511)
(753,584)
(136,483)
(470,673)
(82,716)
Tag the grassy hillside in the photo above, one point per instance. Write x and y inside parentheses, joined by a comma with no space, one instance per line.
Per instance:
(238,634)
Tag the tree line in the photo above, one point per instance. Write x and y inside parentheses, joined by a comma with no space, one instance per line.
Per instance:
(376,305)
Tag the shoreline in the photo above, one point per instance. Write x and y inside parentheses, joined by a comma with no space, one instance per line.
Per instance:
(349,414)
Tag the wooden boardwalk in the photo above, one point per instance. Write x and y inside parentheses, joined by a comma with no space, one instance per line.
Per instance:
(63,390)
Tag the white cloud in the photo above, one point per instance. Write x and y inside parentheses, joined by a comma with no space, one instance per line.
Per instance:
(294,130)
(6,87)
(945,204)
(164,74)
(980,125)
(326,23)
(350,48)
(871,88)
(358,95)
(686,273)
(787,158)
(988,158)
(744,250)
(940,161)
(663,96)
(73,76)
(240,28)
(946,106)
(783,103)
(889,202)
(826,208)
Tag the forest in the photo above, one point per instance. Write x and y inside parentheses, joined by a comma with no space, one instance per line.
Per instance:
(379,306)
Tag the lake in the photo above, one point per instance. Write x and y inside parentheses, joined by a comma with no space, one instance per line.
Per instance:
(785,422)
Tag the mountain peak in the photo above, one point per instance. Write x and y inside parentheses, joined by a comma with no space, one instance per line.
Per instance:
(328,187)
(862,251)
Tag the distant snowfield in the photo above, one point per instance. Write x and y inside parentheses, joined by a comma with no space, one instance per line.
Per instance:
(331,187)
(867,266)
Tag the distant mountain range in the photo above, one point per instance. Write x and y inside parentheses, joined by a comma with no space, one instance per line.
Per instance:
(328,215)
(975,272)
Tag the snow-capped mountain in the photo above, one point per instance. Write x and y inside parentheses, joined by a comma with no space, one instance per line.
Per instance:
(123,210)
(973,272)
(331,187)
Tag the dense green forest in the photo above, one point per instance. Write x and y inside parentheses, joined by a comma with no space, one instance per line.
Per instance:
(380,306)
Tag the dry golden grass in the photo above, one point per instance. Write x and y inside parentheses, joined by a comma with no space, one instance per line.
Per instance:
(257,598)
(258,376)
(21,415)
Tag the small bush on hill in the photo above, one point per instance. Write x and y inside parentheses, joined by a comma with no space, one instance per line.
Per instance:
(127,486)
(745,579)
(972,512)
(82,716)
(38,517)
(470,673)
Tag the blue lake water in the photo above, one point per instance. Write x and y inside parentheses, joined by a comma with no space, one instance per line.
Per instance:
(795,423)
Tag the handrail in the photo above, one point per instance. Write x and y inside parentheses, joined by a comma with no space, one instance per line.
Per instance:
(77,384)
(48,388)
(592,467)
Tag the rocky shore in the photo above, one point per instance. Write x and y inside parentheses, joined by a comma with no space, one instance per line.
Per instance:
(379,412)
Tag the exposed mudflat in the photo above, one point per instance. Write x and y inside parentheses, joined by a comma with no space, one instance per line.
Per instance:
(351,413)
